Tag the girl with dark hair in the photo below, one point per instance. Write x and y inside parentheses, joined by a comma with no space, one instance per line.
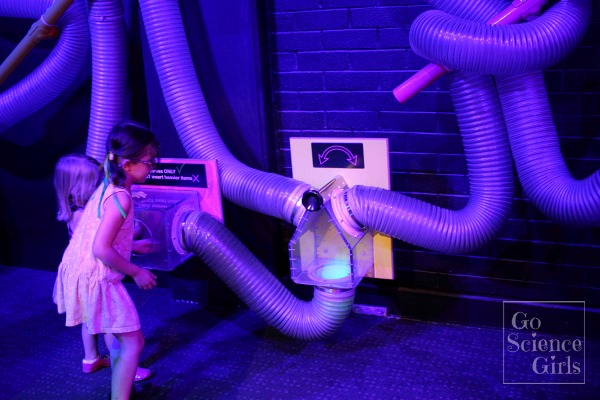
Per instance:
(89,286)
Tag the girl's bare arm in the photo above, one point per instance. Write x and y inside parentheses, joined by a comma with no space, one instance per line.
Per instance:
(103,249)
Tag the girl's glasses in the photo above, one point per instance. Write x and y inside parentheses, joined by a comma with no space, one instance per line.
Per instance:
(150,163)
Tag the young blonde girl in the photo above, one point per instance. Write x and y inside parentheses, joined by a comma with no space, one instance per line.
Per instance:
(89,286)
(76,176)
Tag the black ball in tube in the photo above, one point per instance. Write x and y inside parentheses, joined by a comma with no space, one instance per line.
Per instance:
(312,200)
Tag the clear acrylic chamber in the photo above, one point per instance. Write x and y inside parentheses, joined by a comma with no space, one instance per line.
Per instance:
(158,217)
(323,254)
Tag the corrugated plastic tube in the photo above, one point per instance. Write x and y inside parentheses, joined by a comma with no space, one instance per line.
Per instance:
(109,73)
(543,173)
(64,65)
(470,45)
(490,177)
(212,242)
(267,193)
(515,54)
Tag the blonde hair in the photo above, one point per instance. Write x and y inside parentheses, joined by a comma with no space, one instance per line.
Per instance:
(76,176)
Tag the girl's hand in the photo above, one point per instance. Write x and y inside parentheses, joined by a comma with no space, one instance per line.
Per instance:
(144,279)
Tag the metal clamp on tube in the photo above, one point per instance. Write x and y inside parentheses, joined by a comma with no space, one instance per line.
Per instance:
(344,215)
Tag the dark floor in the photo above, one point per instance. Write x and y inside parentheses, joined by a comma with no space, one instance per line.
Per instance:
(196,353)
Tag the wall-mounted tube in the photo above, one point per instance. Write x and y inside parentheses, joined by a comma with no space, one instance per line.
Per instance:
(519,9)
(63,66)
(267,193)
(490,177)
(258,288)
(536,149)
(470,46)
(109,72)
(514,50)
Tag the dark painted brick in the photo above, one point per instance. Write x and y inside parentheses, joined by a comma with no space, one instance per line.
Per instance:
(400,2)
(321,20)
(591,35)
(377,60)
(287,101)
(414,61)
(350,80)
(323,61)
(446,123)
(435,143)
(295,5)
(325,101)
(347,3)
(358,121)
(455,163)
(374,101)
(545,231)
(284,62)
(394,38)
(432,183)
(578,103)
(282,22)
(554,80)
(296,41)
(392,79)
(298,81)
(531,256)
(413,162)
(407,122)
(301,119)
(586,148)
(350,39)
(579,126)
(582,81)
(580,58)
(385,17)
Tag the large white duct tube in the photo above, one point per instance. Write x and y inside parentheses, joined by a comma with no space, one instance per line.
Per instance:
(490,177)
(520,49)
(109,73)
(258,288)
(267,193)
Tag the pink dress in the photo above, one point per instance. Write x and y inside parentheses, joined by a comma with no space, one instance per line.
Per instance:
(88,290)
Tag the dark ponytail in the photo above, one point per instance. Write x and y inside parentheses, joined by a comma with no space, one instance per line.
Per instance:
(126,141)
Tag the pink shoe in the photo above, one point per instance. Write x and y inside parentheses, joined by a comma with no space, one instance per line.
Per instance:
(141,374)
(101,362)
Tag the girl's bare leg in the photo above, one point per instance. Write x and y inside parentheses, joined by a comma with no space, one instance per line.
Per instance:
(108,340)
(90,343)
(125,354)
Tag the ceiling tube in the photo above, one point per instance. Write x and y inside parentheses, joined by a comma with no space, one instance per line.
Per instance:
(109,73)
(62,67)
(267,193)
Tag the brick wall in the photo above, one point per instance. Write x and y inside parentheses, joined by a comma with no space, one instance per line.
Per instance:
(334,66)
